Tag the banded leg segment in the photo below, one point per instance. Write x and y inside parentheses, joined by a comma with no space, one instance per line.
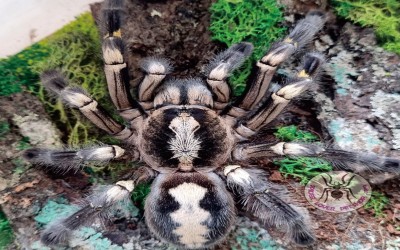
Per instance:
(275,104)
(77,98)
(221,67)
(264,200)
(99,205)
(301,35)
(339,158)
(115,67)
(156,69)
(65,160)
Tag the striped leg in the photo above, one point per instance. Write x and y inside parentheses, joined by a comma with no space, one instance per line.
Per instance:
(264,200)
(221,67)
(155,70)
(65,160)
(279,100)
(99,205)
(115,67)
(301,35)
(77,98)
(339,158)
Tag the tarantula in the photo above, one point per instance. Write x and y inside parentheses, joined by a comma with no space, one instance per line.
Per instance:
(191,136)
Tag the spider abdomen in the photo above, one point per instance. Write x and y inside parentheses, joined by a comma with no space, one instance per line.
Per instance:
(337,194)
(185,137)
(190,210)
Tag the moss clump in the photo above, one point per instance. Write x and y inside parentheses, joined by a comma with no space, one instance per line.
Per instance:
(24,143)
(234,21)
(292,133)
(139,194)
(4,128)
(377,203)
(16,72)
(6,232)
(304,168)
(383,16)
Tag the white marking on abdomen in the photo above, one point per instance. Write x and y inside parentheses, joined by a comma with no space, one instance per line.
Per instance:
(190,216)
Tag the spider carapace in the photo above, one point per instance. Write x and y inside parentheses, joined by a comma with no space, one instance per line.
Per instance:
(186,138)
(190,136)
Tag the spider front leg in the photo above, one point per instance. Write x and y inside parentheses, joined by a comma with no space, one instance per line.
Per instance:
(65,160)
(115,66)
(341,159)
(264,201)
(155,70)
(301,35)
(220,69)
(78,98)
(275,104)
(99,205)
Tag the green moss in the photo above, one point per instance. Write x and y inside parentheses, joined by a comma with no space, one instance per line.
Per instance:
(16,72)
(234,21)
(96,240)
(292,133)
(4,128)
(383,16)
(139,194)
(6,232)
(304,168)
(377,203)
(23,143)
(112,171)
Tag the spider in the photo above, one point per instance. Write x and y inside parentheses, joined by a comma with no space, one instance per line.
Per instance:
(192,137)
(337,188)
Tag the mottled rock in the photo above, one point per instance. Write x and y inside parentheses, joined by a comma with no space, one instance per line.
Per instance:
(363,113)
(39,130)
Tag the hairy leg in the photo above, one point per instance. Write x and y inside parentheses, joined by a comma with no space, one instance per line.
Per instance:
(155,69)
(275,104)
(267,202)
(115,66)
(65,160)
(220,69)
(98,205)
(266,67)
(339,158)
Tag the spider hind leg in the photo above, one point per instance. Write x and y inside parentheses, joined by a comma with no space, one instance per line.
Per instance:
(266,201)
(99,205)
